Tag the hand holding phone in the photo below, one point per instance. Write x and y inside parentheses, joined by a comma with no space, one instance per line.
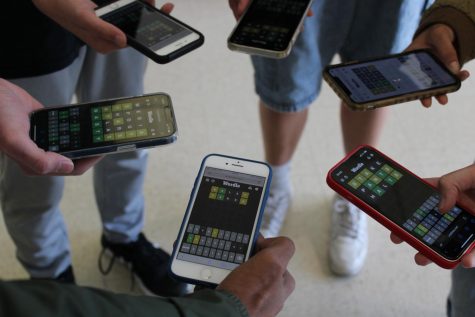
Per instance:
(440,40)
(151,31)
(222,220)
(456,186)
(374,83)
(405,204)
(265,275)
(268,27)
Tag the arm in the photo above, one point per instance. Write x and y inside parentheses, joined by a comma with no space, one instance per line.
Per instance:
(46,299)
(257,288)
(15,107)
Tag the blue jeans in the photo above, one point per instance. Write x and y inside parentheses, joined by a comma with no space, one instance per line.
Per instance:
(31,204)
(354,29)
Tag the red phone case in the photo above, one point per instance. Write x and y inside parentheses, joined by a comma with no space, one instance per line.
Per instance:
(393,227)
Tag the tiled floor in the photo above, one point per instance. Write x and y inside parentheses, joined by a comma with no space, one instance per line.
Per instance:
(212,90)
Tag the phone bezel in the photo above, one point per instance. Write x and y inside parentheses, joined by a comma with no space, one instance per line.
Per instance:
(125,146)
(436,257)
(165,54)
(344,94)
(262,51)
(192,272)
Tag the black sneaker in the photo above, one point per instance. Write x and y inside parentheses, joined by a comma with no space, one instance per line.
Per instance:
(148,263)
(66,277)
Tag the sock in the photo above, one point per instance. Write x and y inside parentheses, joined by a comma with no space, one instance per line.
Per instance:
(280,177)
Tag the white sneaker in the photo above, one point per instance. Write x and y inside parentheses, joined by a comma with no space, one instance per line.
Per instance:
(349,238)
(275,211)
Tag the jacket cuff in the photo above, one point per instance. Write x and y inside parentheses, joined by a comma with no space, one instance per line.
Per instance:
(462,25)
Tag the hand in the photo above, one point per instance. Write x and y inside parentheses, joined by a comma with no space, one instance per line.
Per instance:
(79,18)
(15,107)
(263,282)
(440,39)
(458,186)
(239,6)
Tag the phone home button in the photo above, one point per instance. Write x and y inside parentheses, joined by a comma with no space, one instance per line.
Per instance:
(206,274)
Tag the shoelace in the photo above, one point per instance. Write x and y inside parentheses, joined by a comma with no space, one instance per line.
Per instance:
(348,219)
(106,271)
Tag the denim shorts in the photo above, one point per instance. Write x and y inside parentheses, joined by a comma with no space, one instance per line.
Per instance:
(353,29)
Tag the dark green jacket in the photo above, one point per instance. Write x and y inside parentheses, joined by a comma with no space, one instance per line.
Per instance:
(46,299)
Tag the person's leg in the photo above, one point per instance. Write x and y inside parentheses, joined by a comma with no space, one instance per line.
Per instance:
(461,302)
(30,205)
(286,88)
(118,178)
(379,28)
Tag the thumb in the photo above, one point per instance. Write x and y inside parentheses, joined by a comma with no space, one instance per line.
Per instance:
(447,53)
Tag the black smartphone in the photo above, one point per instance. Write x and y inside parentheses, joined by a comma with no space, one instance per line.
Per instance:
(373,83)
(106,126)
(150,31)
(405,204)
(222,220)
(269,27)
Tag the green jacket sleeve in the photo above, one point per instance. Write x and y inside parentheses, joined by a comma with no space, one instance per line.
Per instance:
(460,16)
(47,299)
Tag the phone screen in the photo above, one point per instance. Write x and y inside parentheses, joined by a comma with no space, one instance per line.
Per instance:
(389,77)
(103,123)
(146,25)
(221,222)
(270,24)
(407,201)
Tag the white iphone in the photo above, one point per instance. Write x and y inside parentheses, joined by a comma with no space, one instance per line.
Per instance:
(222,220)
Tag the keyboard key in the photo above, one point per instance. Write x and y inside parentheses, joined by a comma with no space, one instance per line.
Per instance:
(193,249)
(239,258)
(202,240)
(245,239)
(199,250)
(239,237)
(225,255)
(221,244)
(227,246)
(219,254)
(215,243)
(206,251)
(196,229)
(212,253)
(231,256)
(233,236)
(209,241)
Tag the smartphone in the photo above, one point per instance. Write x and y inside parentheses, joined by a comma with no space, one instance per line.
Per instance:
(150,31)
(104,127)
(405,204)
(269,27)
(222,220)
(374,83)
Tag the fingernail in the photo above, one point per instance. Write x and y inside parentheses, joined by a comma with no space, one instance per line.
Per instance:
(118,40)
(454,67)
(65,166)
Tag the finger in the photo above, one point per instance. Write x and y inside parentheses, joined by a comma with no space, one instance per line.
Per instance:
(310,13)
(395,239)
(167,8)
(468,261)
(26,153)
(446,51)
(82,165)
(453,184)
(289,283)
(442,99)
(434,181)
(426,102)
(102,30)
(463,75)
(281,248)
(422,260)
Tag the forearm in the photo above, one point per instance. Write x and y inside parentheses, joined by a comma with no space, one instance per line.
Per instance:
(46,299)
(460,16)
